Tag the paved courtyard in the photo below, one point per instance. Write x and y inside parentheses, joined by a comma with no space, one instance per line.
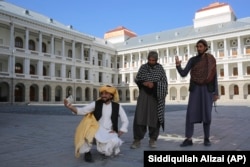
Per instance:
(42,136)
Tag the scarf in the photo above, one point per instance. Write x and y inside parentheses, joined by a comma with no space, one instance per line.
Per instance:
(85,132)
(204,69)
(156,74)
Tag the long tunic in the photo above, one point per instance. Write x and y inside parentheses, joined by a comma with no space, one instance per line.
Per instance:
(107,143)
(200,99)
(146,110)
(150,106)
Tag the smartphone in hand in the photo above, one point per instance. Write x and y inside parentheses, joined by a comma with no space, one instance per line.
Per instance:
(70,99)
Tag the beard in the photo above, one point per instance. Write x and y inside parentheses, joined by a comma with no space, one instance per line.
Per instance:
(151,65)
(200,53)
(105,100)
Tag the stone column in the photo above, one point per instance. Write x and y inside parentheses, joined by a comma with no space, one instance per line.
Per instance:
(226,52)
(40,42)
(240,70)
(26,67)
(52,69)
(239,46)
(73,50)
(63,71)
(82,73)
(27,93)
(52,45)
(40,68)
(26,39)
(12,37)
(226,71)
(63,48)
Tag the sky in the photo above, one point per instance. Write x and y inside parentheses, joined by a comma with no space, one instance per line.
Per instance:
(96,17)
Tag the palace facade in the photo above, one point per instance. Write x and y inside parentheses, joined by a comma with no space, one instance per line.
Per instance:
(44,61)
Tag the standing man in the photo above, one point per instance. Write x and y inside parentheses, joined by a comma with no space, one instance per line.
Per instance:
(152,82)
(203,90)
(100,122)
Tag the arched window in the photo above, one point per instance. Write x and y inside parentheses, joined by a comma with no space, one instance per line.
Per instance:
(18,42)
(44,48)
(18,68)
(86,55)
(222,90)
(32,45)
(236,90)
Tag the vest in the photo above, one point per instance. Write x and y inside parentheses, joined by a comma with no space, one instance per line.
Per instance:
(114,116)
(203,69)
(203,72)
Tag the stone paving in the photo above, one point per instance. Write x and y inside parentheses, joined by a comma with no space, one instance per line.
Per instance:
(42,136)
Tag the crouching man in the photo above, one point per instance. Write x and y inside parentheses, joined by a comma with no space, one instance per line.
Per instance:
(100,122)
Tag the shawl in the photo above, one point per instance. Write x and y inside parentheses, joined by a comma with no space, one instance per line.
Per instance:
(204,70)
(157,75)
(85,132)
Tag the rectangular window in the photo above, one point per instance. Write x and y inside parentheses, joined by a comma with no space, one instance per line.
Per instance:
(86,55)
(222,72)
(125,64)
(235,71)
(248,50)
(99,59)
(248,70)
(58,73)
(99,63)
(221,53)
(100,77)
(234,52)
(86,77)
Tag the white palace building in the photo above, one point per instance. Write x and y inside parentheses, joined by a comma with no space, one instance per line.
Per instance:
(44,61)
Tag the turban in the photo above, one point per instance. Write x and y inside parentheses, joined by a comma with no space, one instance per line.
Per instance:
(111,90)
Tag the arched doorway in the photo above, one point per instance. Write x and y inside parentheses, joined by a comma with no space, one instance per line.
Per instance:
(87,94)
(34,92)
(46,93)
(95,96)
(58,93)
(4,92)
(78,94)
(19,93)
